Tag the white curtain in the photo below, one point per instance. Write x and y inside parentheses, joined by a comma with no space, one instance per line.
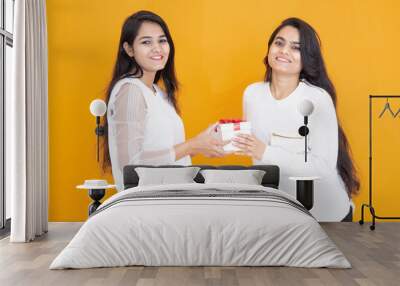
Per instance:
(27,124)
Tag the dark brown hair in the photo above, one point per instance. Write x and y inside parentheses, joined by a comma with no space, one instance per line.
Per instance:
(125,66)
(314,72)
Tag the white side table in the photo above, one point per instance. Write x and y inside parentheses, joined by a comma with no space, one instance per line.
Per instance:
(96,193)
(305,190)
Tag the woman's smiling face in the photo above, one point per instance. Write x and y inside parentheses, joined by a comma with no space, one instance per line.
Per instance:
(150,48)
(284,53)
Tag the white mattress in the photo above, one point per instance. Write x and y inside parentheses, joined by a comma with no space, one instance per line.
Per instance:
(183,231)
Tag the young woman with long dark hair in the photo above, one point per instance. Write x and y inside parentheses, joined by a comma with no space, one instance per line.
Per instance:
(143,125)
(295,72)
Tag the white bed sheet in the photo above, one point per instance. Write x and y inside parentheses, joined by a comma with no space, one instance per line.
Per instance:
(200,231)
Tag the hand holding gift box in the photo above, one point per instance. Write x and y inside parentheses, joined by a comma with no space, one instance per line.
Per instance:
(227,129)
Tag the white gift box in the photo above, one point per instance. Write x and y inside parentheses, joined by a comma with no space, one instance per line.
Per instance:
(228,131)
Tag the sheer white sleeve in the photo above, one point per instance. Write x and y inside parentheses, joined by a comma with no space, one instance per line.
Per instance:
(127,123)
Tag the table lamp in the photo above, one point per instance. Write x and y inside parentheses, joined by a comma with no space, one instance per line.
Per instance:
(98,108)
(305,108)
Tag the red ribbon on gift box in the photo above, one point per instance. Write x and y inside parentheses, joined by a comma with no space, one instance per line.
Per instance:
(236,126)
(224,121)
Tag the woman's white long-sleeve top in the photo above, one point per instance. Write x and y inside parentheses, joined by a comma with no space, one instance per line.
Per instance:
(276,122)
(143,128)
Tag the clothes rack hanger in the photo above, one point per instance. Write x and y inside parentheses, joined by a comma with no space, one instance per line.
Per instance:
(387,107)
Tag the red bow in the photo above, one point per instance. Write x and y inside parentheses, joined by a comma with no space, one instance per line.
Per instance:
(224,121)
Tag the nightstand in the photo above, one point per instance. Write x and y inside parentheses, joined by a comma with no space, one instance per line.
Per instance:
(97,190)
(305,190)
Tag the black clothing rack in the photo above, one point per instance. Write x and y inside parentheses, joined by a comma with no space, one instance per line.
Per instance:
(370,205)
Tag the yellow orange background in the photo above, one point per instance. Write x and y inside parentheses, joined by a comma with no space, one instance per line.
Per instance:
(220,46)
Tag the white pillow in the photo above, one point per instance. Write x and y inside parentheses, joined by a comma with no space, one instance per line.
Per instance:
(166,176)
(248,177)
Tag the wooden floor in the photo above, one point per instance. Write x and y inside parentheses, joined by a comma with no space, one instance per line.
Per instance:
(374,255)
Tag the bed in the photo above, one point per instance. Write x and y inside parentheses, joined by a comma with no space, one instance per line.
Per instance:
(201,224)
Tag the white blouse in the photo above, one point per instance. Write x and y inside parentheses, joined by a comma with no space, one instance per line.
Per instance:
(276,122)
(143,128)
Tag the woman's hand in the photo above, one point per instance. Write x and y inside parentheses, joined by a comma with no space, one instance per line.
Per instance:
(207,144)
(249,145)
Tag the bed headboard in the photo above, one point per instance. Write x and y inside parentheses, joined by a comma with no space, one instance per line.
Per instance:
(270,179)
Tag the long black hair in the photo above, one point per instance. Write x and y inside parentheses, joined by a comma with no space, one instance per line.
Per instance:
(126,66)
(314,72)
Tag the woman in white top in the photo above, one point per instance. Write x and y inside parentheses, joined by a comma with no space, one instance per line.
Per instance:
(142,121)
(295,72)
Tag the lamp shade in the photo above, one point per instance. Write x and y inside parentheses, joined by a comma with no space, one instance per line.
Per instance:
(306,107)
(98,107)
